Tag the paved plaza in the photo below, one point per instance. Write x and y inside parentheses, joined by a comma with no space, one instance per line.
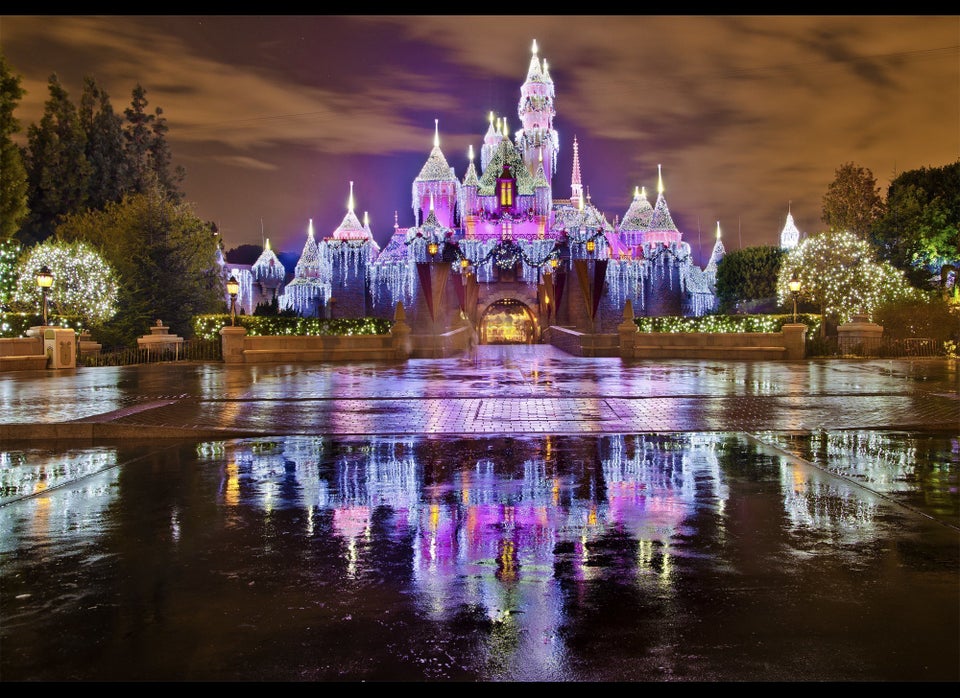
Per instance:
(492,390)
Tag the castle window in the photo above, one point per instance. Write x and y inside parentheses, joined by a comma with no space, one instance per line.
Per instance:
(506,194)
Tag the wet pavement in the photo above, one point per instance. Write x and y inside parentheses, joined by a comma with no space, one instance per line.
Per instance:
(514,514)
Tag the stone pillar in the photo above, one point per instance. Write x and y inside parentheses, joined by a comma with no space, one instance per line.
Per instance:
(400,331)
(231,340)
(795,340)
(859,336)
(628,330)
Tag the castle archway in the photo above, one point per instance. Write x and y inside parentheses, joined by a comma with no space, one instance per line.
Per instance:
(508,321)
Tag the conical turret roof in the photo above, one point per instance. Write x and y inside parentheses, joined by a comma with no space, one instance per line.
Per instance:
(638,216)
(661,219)
(436,168)
(267,266)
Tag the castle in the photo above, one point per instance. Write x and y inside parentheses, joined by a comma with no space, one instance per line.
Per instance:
(497,248)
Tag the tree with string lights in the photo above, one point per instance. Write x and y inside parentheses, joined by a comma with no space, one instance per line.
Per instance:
(840,276)
(85,286)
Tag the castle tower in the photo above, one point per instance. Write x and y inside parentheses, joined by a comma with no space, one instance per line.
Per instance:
(436,181)
(789,236)
(469,203)
(268,273)
(537,137)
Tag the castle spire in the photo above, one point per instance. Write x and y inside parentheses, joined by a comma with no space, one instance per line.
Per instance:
(436,133)
(659,180)
(576,187)
(350,201)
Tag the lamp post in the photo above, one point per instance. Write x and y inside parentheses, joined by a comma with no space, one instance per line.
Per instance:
(794,285)
(233,287)
(44,281)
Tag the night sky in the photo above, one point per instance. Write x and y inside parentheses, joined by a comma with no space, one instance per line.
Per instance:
(273,116)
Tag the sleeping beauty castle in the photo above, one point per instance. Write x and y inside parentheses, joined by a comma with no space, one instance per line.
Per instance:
(497,248)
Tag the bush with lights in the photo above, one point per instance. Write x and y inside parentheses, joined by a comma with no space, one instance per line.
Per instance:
(84,287)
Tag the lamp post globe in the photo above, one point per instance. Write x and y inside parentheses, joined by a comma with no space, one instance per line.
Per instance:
(794,285)
(233,288)
(44,281)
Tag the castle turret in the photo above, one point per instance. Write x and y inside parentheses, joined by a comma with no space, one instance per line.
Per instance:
(537,139)
(437,181)
(469,201)
(789,236)
(490,142)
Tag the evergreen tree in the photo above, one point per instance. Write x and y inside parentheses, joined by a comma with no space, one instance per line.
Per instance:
(58,171)
(13,175)
(147,148)
(747,274)
(852,201)
(164,255)
(105,146)
(162,158)
(10,250)
(137,135)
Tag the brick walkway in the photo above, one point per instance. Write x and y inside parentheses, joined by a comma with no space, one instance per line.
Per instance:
(494,390)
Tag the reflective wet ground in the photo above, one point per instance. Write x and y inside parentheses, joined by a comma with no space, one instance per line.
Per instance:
(754,554)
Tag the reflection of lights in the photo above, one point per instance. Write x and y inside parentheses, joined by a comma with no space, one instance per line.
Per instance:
(175,525)
(231,492)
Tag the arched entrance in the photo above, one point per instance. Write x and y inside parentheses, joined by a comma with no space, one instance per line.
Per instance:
(507,321)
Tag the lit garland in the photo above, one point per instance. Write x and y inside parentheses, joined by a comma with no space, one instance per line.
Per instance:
(209,326)
(723,324)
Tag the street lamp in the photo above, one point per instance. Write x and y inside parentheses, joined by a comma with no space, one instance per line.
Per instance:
(794,285)
(44,281)
(233,287)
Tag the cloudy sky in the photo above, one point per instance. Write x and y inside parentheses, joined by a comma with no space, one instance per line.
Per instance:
(273,116)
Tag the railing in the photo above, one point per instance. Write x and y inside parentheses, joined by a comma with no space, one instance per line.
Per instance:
(877,347)
(188,350)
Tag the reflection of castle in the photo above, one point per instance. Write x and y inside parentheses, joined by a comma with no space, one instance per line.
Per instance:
(499,242)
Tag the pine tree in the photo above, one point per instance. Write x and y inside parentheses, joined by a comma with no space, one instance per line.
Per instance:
(105,146)
(137,135)
(164,256)
(147,148)
(58,171)
(13,175)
